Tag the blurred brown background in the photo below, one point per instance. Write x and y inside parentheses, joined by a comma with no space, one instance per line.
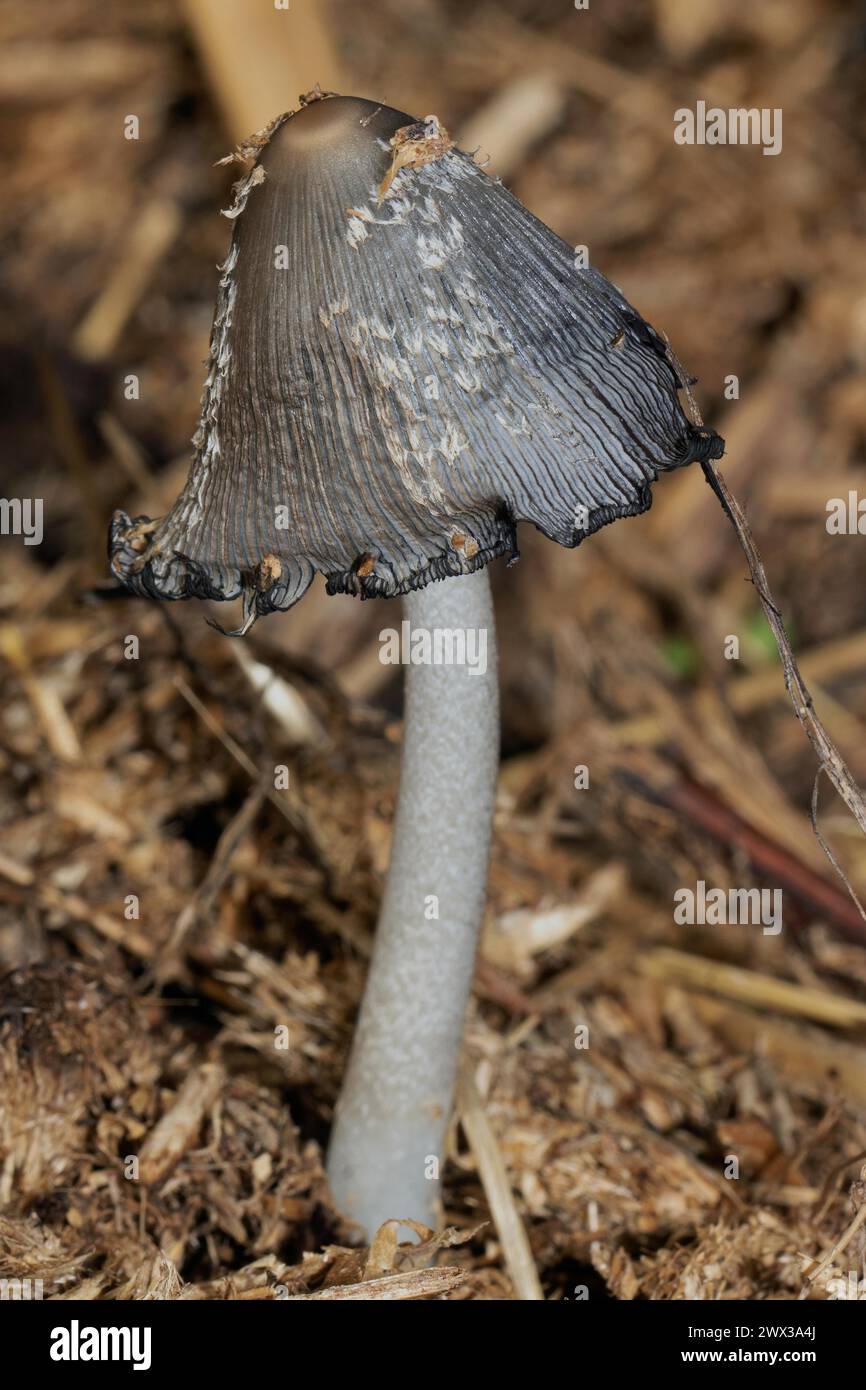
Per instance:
(140,777)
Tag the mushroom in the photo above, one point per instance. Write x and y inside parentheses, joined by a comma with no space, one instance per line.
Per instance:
(404,364)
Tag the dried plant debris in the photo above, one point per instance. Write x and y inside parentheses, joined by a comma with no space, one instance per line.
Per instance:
(219,1086)
(107,1127)
(450,371)
(120,1173)
(678,1108)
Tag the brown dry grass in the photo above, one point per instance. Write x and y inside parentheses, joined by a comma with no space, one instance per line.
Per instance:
(155,1036)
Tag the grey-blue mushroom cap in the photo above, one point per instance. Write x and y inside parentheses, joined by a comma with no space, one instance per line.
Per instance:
(404,364)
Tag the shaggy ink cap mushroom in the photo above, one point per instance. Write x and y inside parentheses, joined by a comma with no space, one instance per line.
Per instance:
(404,364)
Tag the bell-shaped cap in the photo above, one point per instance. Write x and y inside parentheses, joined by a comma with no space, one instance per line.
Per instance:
(404,364)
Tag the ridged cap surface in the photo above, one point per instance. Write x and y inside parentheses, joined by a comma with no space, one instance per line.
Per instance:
(394,384)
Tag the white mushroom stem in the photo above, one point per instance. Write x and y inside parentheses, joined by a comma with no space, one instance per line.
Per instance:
(386,1150)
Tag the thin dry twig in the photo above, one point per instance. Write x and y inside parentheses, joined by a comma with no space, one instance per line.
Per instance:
(826,751)
(216,875)
(177,1130)
(417,1283)
(841,1244)
(751,987)
(512,1232)
(823,843)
